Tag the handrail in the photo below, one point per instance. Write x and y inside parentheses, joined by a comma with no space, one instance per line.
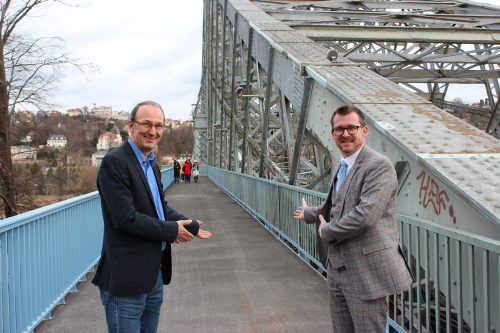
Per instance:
(44,253)
(454,265)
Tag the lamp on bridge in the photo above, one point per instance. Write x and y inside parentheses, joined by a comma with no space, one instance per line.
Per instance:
(332,55)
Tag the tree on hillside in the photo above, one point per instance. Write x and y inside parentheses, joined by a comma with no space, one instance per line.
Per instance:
(29,69)
(177,141)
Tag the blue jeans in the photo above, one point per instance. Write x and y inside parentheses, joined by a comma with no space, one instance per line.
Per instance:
(133,314)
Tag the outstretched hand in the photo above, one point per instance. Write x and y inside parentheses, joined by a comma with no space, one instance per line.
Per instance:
(183,235)
(299,212)
(203,234)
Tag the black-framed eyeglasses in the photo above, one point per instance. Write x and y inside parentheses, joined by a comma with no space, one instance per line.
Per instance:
(338,131)
(149,126)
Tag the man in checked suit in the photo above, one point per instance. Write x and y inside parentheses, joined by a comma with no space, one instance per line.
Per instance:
(357,225)
(138,228)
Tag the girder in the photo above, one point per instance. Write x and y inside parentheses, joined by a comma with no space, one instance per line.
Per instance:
(396,34)
(420,44)
(258,58)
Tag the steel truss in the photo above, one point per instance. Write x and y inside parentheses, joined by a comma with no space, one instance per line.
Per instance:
(427,46)
(243,103)
(274,72)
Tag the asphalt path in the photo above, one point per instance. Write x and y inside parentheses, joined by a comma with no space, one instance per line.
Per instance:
(241,280)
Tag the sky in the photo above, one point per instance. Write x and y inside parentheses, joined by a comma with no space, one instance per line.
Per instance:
(145,50)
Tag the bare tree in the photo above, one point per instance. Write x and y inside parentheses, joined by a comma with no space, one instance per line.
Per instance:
(29,69)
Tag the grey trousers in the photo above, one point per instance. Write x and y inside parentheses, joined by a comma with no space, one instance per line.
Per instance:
(349,312)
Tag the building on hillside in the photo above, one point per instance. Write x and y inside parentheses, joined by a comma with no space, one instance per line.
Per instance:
(26,116)
(172,123)
(97,158)
(104,112)
(57,141)
(74,112)
(108,140)
(121,115)
(188,123)
(28,138)
(54,113)
(41,114)
(22,153)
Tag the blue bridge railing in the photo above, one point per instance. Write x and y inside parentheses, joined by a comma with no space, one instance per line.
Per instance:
(44,253)
(457,273)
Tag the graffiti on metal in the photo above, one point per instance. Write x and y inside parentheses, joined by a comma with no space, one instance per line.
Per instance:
(431,194)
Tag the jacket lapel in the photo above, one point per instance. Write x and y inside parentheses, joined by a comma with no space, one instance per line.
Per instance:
(140,172)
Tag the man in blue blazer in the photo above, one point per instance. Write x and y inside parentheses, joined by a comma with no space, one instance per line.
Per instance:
(357,224)
(138,227)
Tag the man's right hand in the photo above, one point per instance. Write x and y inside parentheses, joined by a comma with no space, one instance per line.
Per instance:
(183,235)
(299,212)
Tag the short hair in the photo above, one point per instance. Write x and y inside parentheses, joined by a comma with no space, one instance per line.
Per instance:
(151,103)
(346,109)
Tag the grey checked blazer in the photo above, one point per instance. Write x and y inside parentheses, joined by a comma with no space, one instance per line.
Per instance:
(362,233)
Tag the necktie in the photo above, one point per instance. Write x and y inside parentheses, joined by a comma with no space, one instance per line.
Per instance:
(341,175)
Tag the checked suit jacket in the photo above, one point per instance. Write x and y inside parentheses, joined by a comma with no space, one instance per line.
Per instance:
(131,254)
(362,234)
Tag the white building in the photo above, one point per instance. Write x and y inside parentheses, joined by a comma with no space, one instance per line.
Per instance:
(97,158)
(22,153)
(74,112)
(57,141)
(172,123)
(121,115)
(108,140)
(102,111)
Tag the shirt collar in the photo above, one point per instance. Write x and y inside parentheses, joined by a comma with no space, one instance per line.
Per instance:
(140,155)
(351,159)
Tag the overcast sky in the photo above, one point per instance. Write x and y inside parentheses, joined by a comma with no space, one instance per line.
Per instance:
(146,50)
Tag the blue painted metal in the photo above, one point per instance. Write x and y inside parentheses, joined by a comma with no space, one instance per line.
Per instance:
(44,253)
(167,176)
(392,326)
(272,204)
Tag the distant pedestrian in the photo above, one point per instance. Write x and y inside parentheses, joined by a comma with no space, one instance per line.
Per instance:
(196,171)
(186,167)
(177,171)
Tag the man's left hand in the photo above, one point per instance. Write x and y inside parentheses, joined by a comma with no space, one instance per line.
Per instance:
(203,234)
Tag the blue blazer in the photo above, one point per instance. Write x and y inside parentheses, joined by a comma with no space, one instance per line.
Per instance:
(131,255)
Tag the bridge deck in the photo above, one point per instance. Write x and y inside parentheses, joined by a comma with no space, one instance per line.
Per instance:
(242,280)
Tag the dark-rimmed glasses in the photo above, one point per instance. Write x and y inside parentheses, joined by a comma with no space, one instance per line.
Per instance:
(339,131)
(149,126)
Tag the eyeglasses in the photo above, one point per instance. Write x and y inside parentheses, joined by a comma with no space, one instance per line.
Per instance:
(148,126)
(338,131)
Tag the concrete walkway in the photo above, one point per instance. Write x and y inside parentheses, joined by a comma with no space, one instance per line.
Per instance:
(241,280)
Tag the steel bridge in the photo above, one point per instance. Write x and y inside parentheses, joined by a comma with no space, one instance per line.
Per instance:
(274,71)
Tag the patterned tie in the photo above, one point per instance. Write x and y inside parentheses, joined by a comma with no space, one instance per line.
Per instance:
(341,175)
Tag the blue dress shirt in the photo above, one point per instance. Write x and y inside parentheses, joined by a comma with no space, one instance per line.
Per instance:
(147,166)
